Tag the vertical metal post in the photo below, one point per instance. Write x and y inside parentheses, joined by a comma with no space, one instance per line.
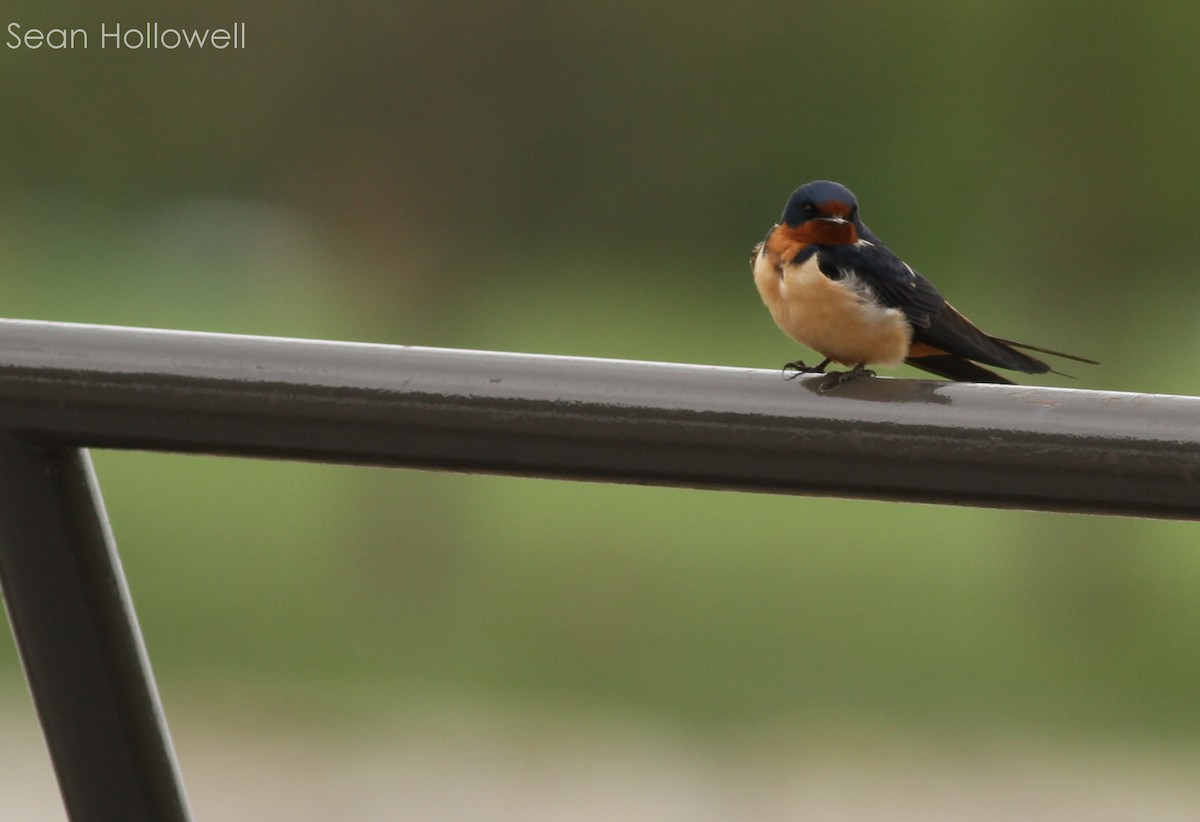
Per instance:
(79,641)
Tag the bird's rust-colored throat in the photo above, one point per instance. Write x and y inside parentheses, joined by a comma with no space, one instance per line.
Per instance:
(788,241)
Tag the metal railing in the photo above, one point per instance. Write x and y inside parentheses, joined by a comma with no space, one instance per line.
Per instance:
(65,388)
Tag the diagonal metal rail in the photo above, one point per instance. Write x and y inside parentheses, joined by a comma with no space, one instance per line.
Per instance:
(82,652)
(64,388)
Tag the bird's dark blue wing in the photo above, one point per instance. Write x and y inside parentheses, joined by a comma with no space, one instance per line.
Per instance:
(936,325)
(892,281)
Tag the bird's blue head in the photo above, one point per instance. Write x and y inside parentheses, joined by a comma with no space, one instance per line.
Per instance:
(823,213)
(820,200)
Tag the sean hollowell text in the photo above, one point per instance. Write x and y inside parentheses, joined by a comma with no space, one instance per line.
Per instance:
(118,36)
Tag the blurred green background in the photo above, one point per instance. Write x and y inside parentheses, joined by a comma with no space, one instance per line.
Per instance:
(588,178)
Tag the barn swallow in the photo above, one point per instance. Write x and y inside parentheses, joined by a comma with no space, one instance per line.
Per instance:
(833,286)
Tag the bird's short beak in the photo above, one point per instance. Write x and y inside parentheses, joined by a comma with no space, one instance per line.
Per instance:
(833,219)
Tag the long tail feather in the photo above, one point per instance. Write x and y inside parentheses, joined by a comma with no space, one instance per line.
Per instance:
(1028,347)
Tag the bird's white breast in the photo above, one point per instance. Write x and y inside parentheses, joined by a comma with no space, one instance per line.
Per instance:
(839,319)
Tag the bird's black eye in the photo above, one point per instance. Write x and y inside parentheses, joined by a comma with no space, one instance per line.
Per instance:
(809,209)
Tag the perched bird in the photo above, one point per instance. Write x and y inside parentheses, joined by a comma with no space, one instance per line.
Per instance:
(832,285)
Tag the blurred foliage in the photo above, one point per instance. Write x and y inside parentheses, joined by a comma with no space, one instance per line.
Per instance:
(588,179)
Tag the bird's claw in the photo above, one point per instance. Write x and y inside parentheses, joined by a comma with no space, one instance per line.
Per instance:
(795,368)
(841,377)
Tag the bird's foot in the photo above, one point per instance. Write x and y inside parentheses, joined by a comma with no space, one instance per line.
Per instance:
(795,368)
(837,378)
